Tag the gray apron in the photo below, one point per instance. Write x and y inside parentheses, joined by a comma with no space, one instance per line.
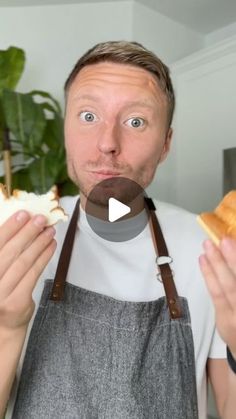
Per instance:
(90,356)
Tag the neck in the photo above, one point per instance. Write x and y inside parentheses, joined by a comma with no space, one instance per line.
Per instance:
(101,212)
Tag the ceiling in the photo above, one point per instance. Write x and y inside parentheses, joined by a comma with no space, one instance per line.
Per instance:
(203,16)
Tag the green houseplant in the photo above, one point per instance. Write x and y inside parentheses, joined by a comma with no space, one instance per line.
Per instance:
(31,125)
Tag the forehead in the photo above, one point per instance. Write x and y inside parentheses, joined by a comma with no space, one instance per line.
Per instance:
(118,79)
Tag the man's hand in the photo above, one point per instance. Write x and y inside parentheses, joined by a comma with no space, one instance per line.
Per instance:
(26,247)
(218,266)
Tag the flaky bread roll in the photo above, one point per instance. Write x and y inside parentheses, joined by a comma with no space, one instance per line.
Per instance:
(222,221)
(46,204)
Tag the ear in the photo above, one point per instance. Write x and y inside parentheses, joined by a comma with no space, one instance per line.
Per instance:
(166,147)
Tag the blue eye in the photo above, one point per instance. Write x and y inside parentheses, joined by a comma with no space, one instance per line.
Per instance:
(135,122)
(88,116)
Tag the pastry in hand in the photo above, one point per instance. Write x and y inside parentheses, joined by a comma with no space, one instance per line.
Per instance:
(222,221)
(46,204)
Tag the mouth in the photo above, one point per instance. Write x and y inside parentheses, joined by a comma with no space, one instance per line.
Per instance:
(104,174)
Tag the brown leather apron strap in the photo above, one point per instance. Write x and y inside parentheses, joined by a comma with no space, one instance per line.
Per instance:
(64,260)
(163,260)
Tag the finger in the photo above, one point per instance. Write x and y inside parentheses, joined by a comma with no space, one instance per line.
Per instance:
(27,284)
(12,226)
(213,285)
(24,262)
(228,249)
(16,245)
(222,271)
(21,298)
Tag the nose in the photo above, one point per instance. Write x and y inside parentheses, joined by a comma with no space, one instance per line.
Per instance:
(109,139)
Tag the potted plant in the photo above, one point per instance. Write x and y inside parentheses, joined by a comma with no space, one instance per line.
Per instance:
(31,129)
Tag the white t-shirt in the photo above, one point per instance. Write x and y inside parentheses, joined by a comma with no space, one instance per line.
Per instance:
(127,271)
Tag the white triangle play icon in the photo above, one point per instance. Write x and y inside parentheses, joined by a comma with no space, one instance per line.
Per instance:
(116,209)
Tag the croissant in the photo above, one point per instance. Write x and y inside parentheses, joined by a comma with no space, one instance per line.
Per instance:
(222,221)
(46,204)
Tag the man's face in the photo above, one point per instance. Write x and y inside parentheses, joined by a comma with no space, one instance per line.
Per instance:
(115,125)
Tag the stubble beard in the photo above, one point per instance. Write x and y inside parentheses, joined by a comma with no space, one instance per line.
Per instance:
(100,192)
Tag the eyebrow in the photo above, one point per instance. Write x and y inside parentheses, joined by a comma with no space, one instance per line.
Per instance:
(130,104)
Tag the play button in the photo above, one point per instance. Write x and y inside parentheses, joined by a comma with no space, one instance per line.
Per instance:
(115,209)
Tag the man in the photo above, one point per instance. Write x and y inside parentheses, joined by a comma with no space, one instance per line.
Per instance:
(109,345)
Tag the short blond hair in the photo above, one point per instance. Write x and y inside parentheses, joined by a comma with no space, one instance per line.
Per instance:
(132,53)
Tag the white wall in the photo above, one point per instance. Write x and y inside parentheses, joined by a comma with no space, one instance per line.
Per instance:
(170,41)
(220,34)
(55,36)
(205,123)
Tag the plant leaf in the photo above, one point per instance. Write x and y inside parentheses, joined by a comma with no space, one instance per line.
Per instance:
(47,95)
(25,119)
(21,180)
(54,135)
(12,62)
(2,124)
(44,171)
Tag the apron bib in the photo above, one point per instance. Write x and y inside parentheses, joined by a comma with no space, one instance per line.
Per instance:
(90,356)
